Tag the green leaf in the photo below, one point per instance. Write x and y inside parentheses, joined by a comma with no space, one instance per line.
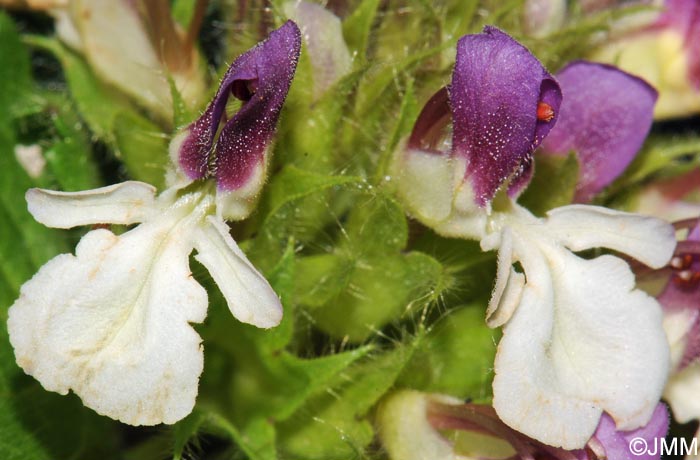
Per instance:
(69,158)
(377,225)
(325,276)
(380,290)
(456,357)
(334,424)
(366,147)
(312,133)
(408,112)
(268,388)
(257,441)
(357,27)
(185,431)
(142,146)
(369,281)
(291,208)
(293,183)
(96,101)
(15,71)
(182,11)
(459,18)
(553,184)
(8,292)
(26,244)
(182,115)
(266,380)
(274,386)
(313,376)
(16,266)
(382,77)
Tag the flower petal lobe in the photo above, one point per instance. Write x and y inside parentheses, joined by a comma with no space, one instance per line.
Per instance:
(250,297)
(111,324)
(125,203)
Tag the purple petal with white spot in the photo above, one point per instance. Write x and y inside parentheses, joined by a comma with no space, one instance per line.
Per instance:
(260,78)
(617,444)
(496,88)
(604,118)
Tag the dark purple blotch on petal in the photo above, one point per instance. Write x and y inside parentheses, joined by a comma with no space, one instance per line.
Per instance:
(261,78)
(604,119)
(496,88)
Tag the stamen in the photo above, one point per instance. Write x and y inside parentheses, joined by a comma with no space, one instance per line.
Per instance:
(686,278)
(681,262)
(545,112)
(686,261)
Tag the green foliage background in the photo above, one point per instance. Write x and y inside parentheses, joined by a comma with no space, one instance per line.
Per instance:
(373,301)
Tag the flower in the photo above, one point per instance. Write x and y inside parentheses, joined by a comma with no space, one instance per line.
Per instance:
(542,17)
(135,46)
(578,338)
(604,118)
(498,118)
(414,426)
(681,302)
(680,294)
(238,162)
(112,321)
(609,442)
(325,45)
(671,198)
(665,52)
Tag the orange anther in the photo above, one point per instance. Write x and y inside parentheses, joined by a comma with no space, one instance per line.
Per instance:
(545,112)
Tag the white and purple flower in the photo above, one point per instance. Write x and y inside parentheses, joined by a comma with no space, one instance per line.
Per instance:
(664,50)
(578,338)
(112,322)
(414,426)
(681,302)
